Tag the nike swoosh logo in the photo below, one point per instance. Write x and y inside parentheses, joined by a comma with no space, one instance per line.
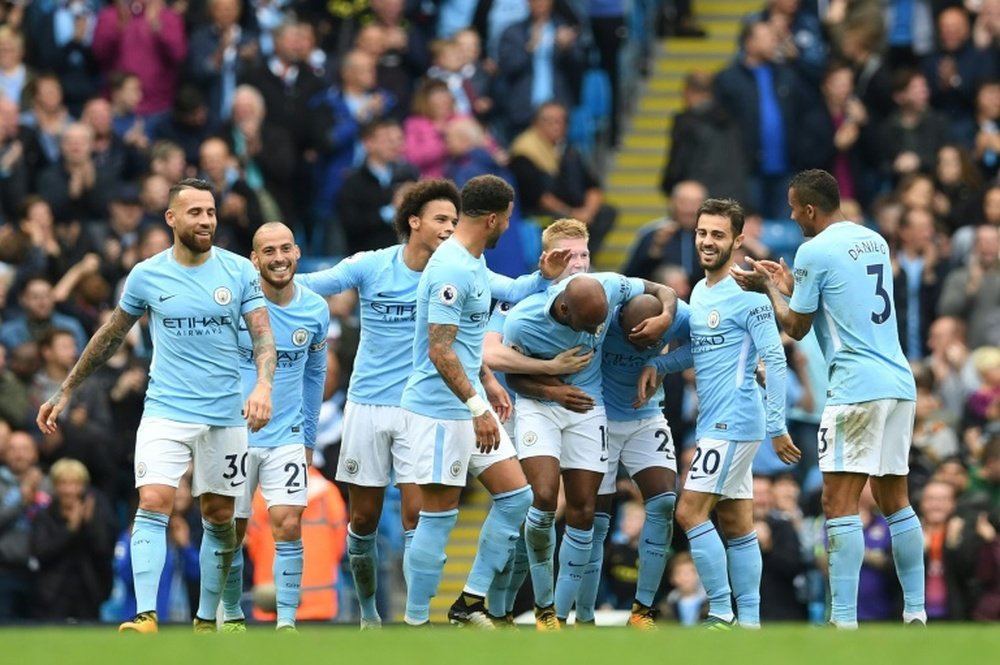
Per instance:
(650,542)
(480,294)
(162,298)
(289,574)
(294,491)
(604,459)
(575,565)
(237,484)
(382,295)
(694,477)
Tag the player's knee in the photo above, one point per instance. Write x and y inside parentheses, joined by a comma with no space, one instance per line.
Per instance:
(363,522)
(545,498)
(686,516)
(662,505)
(217,511)
(287,526)
(156,500)
(518,504)
(580,517)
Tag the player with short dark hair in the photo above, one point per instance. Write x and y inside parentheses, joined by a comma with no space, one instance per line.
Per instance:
(196,295)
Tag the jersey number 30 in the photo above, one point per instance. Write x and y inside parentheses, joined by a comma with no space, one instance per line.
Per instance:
(878,271)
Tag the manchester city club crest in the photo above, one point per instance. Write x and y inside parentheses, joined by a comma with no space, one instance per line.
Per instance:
(223,296)
(351,466)
(140,469)
(300,337)
(529,438)
(456,468)
(713,319)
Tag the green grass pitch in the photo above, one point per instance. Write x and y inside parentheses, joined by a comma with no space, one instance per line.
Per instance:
(445,645)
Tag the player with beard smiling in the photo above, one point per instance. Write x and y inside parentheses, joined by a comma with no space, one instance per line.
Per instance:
(194,411)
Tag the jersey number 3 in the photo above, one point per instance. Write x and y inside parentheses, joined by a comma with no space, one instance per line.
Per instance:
(878,271)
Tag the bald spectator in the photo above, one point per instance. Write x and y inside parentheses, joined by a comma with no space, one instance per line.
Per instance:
(146,38)
(38,317)
(972,293)
(75,187)
(670,239)
(237,208)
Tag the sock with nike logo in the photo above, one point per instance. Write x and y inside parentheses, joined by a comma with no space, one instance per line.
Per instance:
(540,545)
(574,553)
(287,579)
(586,597)
(149,554)
(215,556)
(745,567)
(654,543)
(232,592)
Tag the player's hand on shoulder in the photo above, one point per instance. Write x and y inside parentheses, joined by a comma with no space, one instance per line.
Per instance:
(569,362)
(487,432)
(785,449)
(553,262)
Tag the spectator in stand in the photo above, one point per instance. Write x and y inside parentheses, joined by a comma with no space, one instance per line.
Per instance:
(801,42)
(538,58)
(943,597)
(670,239)
(265,154)
(972,293)
(110,153)
(13,167)
(14,74)
(21,499)
(912,134)
(986,143)
(61,39)
(934,438)
(433,106)
(45,120)
(116,241)
(701,144)
(154,194)
(959,182)
(955,376)
(126,95)
(73,540)
(74,186)
(367,203)
(447,60)
(188,124)
(404,58)
(145,37)
(909,31)
(861,43)
(554,180)
(168,159)
(238,212)
(345,110)
(15,406)
(847,133)
(469,154)
(918,275)
(781,557)
(38,316)
(955,70)
(478,83)
(687,602)
(767,98)
(985,478)
(219,51)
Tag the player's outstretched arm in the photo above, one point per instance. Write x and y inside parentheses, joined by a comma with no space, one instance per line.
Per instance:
(503,358)
(551,389)
(257,409)
(101,346)
(649,332)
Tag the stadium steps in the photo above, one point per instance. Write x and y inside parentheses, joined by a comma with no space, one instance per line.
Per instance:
(461,549)
(633,178)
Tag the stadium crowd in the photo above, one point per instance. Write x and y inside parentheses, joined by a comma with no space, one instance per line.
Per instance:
(321,113)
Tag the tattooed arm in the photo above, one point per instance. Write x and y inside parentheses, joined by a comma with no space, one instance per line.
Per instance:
(257,409)
(102,346)
(440,337)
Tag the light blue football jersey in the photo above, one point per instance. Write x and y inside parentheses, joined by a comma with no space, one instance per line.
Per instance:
(498,317)
(387,289)
(531,329)
(621,364)
(844,277)
(730,329)
(299,330)
(194,316)
(454,290)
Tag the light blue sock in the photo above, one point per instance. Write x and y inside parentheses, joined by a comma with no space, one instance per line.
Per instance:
(496,597)
(846,548)
(574,553)
(586,597)
(908,553)
(407,541)
(540,544)
(362,553)
(518,573)
(426,562)
(497,538)
(744,574)
(216,556)
(287,579)
(232,593)
(654,543)
(710,559)
(149,554)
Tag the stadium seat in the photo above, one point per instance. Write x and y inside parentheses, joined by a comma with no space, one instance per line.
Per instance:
(782,237)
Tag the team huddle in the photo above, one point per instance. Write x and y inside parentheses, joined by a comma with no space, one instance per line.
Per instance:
(534,386)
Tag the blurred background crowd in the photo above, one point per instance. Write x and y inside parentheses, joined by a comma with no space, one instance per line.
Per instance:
(321,113)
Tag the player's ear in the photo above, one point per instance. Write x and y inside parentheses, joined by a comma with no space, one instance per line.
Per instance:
(414,222)
(738,241)
(256,261)
(298,252)
(169,216)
